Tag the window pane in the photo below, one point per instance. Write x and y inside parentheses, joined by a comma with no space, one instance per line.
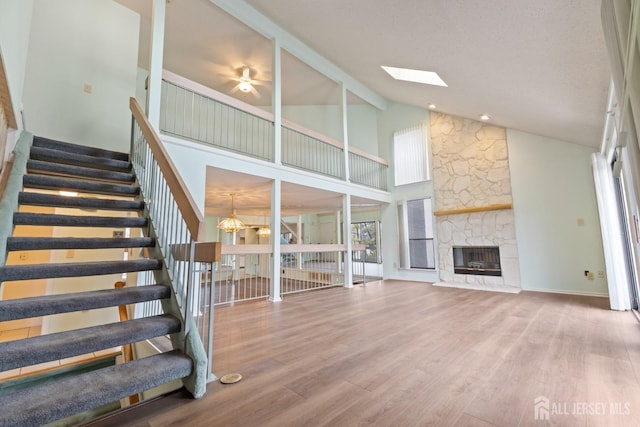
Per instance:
(410,156)
(418,240)
(415,216)
(366,233)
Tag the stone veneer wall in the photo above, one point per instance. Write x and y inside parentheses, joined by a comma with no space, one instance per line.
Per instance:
(471,169)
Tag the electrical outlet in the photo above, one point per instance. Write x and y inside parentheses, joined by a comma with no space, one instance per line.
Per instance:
(590,275)
(600,274)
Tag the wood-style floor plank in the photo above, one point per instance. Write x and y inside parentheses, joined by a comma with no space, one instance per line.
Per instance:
(410,354)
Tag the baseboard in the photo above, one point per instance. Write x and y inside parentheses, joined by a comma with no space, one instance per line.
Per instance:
(566,292)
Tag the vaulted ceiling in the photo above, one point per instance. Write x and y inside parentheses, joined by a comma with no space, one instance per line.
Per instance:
(538,66)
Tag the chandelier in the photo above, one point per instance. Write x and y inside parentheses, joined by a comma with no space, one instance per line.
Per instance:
(231,224)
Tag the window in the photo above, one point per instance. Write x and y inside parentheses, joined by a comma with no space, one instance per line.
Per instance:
(410,156)
(415,227)
(366,233)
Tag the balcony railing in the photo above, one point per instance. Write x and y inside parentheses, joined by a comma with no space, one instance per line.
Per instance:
(192,111)
(200,117)
(312,153)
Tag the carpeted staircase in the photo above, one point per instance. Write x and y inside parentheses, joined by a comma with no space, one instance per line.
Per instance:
(53,167)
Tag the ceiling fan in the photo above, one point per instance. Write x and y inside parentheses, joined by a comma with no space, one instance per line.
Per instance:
(245,83)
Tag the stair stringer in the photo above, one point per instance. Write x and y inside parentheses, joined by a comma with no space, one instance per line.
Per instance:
(9,199)
(191,344)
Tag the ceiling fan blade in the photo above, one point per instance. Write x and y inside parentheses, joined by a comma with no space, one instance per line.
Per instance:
(255,92)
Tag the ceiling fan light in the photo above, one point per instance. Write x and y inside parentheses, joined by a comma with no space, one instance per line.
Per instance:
(245,86)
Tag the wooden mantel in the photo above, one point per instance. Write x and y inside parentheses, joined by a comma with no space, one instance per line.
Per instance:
(473,209)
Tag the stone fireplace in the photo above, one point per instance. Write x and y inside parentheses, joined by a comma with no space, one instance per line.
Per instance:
(473,204)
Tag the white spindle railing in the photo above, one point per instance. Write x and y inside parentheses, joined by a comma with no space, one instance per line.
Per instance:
(367,170)
(203,118)
(192,111)
(175,222)
(304,151)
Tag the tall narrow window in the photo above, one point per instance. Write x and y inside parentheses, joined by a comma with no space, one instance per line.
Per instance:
(410,155)
(416,234)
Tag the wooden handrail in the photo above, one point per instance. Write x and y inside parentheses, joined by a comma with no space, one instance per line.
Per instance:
(204,252)
(473,209)
(127,349)
(287,248)
(5,98)
(190,212)
(187,84)
(7,116)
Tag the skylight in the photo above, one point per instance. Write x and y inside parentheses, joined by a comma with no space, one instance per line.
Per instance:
(416,76)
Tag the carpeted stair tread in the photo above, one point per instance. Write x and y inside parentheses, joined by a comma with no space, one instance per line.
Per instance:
(52,401)
(56,156)
(13,309)
(42,199)
(48,182)
(60,345)
(25,218)
(73,269)
(77,171)
(39,141)
(39,243)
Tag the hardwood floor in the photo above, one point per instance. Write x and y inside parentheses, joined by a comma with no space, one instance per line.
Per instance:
(410,354)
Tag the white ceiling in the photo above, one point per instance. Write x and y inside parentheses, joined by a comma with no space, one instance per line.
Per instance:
(534,65)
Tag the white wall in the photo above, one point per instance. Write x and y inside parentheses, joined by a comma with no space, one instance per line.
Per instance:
(325,119)
(15,26)
(553,191)
(78,42)
(363,127)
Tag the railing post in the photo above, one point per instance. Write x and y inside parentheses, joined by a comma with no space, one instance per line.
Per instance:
(277,104)
(155,62)
(210,319)
(346,235)
(345,132)
(276,193)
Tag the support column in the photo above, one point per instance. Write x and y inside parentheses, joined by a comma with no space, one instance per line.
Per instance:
(300,240)
(345,132)
(276,193)
(276,84)
(154,89)
(346,236)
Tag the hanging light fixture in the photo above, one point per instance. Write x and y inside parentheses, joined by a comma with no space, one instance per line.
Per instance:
(264,230)
(231,224)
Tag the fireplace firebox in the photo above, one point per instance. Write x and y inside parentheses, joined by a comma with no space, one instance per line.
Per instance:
(478,260)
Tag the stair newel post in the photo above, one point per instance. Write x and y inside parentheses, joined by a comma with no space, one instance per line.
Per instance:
(190,294)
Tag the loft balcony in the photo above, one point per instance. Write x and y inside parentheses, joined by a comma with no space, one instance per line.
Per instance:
(197,113)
